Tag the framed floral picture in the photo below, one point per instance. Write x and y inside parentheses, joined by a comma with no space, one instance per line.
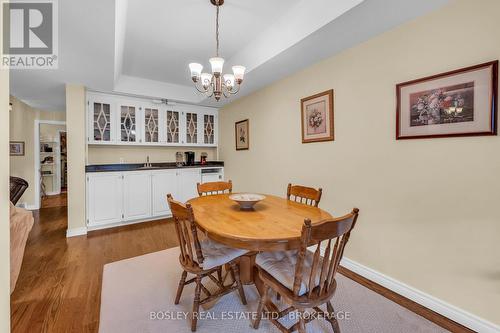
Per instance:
(317,117)
(458,103)
(16,148)
(242,135)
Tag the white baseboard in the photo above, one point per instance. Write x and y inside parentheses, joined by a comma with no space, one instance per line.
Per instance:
(449,311)
(76,232)
(30,207)
(124,223)
(53,193)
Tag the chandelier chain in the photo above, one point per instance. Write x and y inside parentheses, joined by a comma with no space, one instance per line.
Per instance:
(217,30)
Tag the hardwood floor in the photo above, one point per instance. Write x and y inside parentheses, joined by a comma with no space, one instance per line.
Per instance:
(59,287)
(59,200)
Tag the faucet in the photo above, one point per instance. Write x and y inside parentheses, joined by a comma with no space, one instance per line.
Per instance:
(147,164)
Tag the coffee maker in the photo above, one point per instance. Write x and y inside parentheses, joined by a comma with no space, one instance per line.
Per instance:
(189,157)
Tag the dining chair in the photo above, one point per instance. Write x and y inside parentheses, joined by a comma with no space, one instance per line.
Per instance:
(306,195)
(312,282)
(212,188)
(203,259)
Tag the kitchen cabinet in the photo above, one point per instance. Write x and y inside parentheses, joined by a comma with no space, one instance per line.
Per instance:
(104,198)
(121,120)
(186,184)
(136,195)
(163,182)
(115,198)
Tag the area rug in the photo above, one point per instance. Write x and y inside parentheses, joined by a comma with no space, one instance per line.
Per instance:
(138,296)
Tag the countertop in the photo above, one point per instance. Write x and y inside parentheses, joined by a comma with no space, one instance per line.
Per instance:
(154,166)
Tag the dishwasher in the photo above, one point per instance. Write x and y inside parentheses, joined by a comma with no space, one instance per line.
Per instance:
(212,175)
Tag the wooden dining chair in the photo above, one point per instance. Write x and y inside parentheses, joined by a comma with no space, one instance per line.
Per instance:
(306,195)
(312,283)
(203,259)
(212,188)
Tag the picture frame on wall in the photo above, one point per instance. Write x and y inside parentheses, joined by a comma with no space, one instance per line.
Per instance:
(462,102)
(317,117)
(242,134)
(16,148)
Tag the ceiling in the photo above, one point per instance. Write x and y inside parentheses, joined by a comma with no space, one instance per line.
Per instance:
(143,47)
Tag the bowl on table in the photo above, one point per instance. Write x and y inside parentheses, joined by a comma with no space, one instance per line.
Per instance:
(246,200)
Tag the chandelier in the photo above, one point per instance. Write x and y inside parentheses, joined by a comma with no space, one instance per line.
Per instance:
(217,84)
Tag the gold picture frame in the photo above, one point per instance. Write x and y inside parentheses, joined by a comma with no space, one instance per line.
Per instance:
(317,117)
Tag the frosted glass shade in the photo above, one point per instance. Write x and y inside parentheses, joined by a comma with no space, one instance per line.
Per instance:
(206,79)
(195,69)
(217,64)
(229,80)
(239,72)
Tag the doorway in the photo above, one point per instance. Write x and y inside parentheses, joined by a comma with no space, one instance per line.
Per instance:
(50,164)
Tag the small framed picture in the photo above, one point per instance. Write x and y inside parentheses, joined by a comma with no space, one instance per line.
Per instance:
(317,117)
(16,148)
(242,135)
(458,103)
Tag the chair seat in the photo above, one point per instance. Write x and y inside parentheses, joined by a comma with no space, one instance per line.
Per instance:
(217,254)
(281,266)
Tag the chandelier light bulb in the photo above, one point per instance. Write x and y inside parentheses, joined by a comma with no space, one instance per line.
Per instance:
(195,69)
(239,72)
(217,64)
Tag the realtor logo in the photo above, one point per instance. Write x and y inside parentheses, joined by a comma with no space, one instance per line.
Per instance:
(30,35)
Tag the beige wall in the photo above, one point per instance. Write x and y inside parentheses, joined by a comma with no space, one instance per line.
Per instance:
(4,196)
(429,214)
(113,154)
(22,124)
(76,146)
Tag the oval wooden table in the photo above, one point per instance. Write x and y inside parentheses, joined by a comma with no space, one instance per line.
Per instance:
(275,224)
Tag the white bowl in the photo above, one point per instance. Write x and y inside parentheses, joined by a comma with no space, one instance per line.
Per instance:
(246,200)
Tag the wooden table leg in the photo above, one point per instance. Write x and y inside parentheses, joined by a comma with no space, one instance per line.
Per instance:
(249,273)
(247,263)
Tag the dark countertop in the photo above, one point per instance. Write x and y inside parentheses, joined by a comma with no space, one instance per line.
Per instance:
(154,166)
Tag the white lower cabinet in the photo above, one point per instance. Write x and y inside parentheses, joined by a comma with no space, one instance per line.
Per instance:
(164,182)
(117,197)
(187,180)
(136,195)
(104,198)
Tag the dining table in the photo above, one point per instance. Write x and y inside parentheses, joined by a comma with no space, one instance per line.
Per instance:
(274,224)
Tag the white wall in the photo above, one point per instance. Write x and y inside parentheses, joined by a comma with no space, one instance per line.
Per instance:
(428,208)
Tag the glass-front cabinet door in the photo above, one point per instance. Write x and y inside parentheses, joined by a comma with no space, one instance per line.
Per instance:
(209,129)
(128,117)
(151,125)
(172,126)
(191,121)
(100,117)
